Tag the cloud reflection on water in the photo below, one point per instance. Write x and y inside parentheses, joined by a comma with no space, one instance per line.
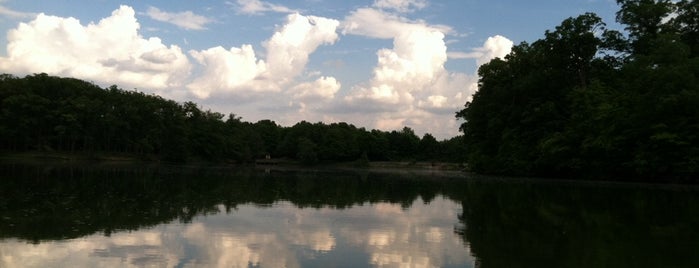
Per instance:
(380,234)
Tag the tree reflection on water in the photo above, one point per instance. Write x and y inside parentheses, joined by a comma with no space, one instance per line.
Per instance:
(500,222)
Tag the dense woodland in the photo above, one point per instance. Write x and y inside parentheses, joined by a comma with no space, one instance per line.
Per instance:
(46,113)
(587,101)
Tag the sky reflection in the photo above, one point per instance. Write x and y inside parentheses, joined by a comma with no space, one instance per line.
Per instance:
(282,235)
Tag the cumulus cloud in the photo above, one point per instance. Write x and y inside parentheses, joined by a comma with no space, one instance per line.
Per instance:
(63,46)
(186,20)
(495,47)
(288,50)
(402,6)
(417,56)
(254,7)
(410,85)
(323,88)
(409,82)
(225,70)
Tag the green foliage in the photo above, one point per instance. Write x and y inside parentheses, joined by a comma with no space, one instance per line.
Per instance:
(46,113)
(586,102)
(307,151)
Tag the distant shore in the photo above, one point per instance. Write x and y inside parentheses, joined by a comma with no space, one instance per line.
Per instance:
(125,158)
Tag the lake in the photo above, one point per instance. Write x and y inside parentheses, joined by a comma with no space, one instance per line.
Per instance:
(118,215)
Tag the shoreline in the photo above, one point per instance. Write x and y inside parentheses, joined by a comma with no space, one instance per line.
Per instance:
(279,164)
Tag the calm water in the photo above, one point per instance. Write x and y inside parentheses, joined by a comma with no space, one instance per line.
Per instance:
(101,215)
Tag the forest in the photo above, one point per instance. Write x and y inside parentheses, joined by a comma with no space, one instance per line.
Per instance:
(53,114)
(586,101)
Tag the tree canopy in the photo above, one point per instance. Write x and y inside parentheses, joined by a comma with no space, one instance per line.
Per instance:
(587,101)
(47,113)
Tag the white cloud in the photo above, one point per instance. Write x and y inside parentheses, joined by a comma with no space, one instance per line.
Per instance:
(378,24)
(417,56)
(254,7)
(186,20)
(287,55)
(410,85)
(495,47)
(463,55)
(323,88)
(289,48)
(63,46)
(6,12)
(402,6)
(225,70)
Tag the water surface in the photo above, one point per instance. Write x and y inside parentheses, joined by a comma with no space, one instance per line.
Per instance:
(103,215)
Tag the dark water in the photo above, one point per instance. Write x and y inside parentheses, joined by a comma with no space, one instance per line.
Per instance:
(100,215)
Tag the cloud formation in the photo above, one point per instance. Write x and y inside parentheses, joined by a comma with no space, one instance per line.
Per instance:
(323,88)
(256,7)
(239,70)
(495,47)
(13,14)
(225,70)
(63,46)
(408,86)
(186,20)
(402,6)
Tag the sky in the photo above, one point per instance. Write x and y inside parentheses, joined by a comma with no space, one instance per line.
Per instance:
(378,64)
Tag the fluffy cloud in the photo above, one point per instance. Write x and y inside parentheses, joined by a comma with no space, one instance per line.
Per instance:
(417,57)
(409,83)
(323,88)
(226,70)
(63,46)
(495,47)
(185,20)
(288,49)
(410,86)
(238,70)
(254,7)
(375,23)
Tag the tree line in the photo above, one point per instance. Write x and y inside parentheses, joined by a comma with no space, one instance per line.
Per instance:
(47,113)
(587,101)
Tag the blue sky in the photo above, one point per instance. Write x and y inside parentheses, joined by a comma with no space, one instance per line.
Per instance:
(376,64)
